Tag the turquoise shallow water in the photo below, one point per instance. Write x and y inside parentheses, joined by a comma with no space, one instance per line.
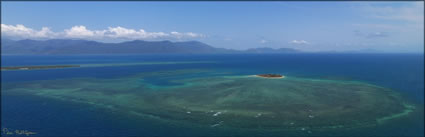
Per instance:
(402,73)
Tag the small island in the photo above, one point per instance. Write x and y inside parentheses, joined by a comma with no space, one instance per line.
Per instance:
(270,75)
(38,67)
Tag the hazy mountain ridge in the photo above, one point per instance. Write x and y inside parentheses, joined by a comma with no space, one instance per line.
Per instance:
(66,46)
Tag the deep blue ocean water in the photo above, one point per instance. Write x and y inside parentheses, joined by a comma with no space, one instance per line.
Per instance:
(403,73)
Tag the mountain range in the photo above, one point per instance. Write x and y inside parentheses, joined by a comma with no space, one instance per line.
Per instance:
(68,46)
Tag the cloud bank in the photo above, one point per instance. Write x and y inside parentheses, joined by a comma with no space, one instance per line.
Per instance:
(81,32)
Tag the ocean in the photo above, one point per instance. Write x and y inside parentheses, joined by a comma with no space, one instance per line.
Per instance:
(55,112)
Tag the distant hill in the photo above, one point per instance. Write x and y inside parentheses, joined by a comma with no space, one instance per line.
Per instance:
(66,46)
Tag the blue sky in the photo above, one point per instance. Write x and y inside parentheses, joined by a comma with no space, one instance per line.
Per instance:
(308,26)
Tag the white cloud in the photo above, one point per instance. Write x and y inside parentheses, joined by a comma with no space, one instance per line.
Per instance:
(21,31)
(78,32)
(121,32)
(188,34)
(263,41)
(85,33)
(45,32)
(298,42)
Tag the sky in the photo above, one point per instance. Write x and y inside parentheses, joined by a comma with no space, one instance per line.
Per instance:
(307,26)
